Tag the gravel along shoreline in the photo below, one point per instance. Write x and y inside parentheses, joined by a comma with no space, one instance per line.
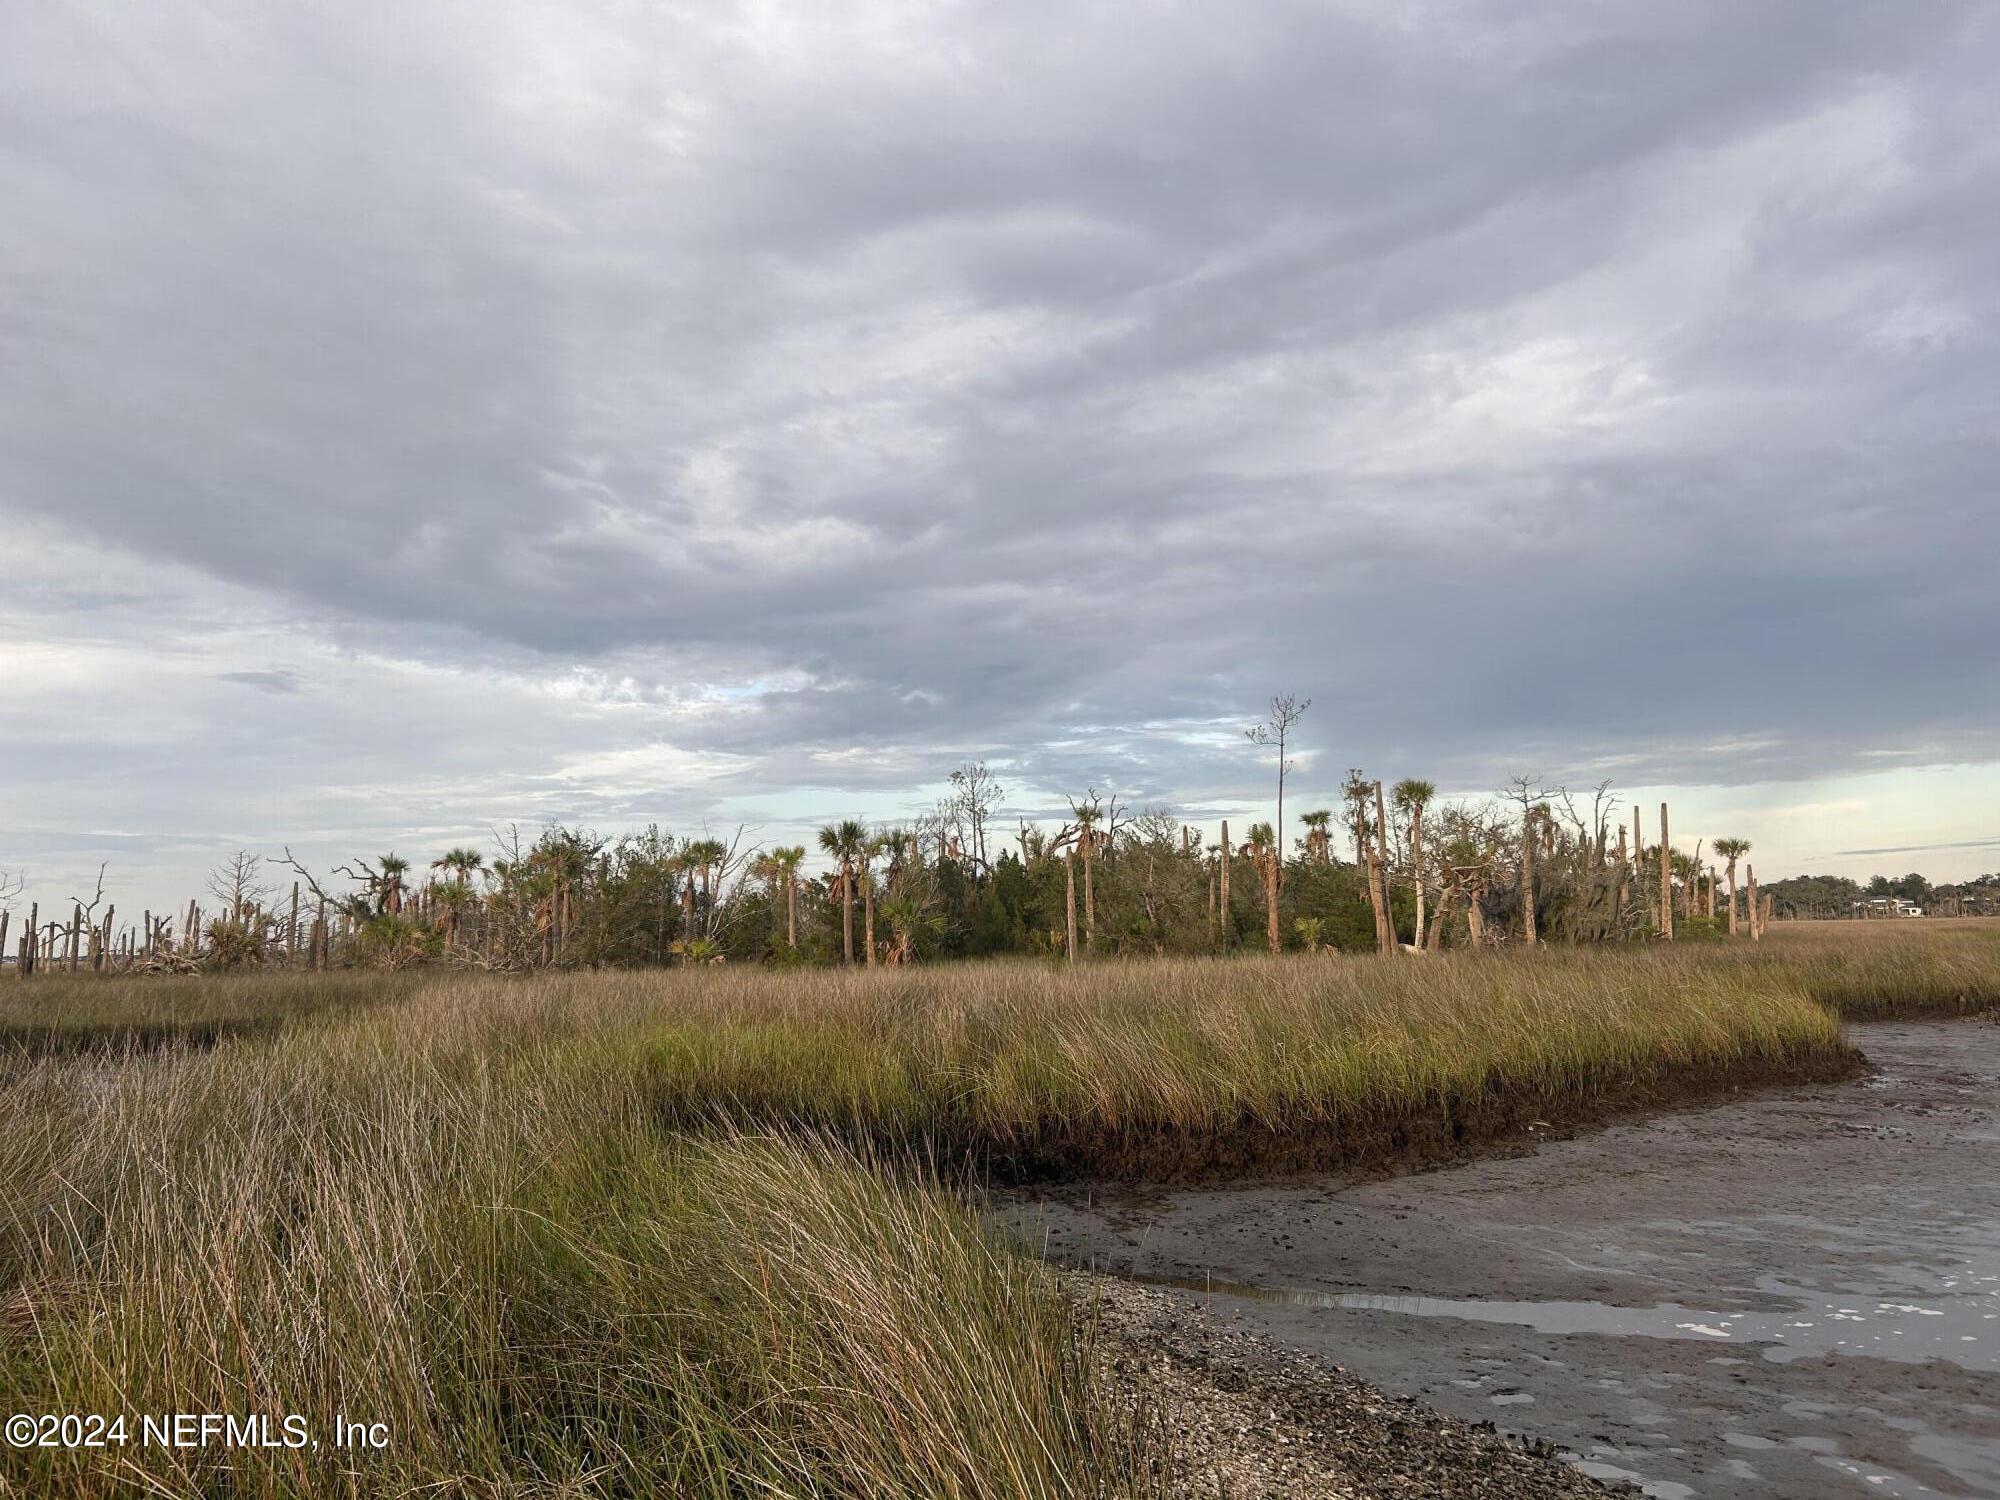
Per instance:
(1250,1420)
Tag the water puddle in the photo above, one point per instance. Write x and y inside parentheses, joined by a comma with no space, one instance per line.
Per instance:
(1960,1328)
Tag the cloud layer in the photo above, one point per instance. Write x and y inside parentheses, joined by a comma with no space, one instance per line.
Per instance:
(431,414)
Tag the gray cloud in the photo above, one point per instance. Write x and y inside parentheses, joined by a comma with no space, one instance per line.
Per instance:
(819,395)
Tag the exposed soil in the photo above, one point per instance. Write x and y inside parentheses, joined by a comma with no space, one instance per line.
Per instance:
(1794,1293)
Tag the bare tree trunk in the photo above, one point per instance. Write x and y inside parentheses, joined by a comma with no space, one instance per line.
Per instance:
(1639,863)
(1666,879)
(792,909)
(1226,924)
(846,913)
(1385,935)
(868,908)
(1528,876)
(1417,864)
(1069,902)
(1271,900)
(1624,878)
(1475,920)
(1370,872)
(1090,889)
(1750,879)
(1732,898)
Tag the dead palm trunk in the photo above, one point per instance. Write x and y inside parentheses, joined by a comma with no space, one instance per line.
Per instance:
(1756,927)
(1389,943)
(792,909)
(1732,895)
(1666,879)
(1417,865)
(1528,875)
(868,907)
(1434,938)
(1089,842)
(1069,902)
(1226,924)
(1271,899)
(1639,863)
(846,912)
(1624,878)
(1371,872)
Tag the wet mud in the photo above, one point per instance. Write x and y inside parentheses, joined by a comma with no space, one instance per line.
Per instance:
(1796,1293)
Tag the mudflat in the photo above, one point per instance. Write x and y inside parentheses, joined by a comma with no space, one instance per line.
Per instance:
(1794,1292)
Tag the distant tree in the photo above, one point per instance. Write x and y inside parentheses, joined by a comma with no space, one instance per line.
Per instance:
(845,841)
(1318,842)
(1263,851)
(1732,850)
(390,871)
(787,861)
(1412,797)
(1286,711)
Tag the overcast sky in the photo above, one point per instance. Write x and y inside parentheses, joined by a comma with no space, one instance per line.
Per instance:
(416,417)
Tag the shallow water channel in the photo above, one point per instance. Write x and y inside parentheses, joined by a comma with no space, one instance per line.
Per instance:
(1793,1294)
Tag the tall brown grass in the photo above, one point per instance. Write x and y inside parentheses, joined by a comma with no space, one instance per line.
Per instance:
(1885,970)
(484,1242)
(714,1232)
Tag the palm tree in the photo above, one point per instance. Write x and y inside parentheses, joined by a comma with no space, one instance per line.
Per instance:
(682,864)
(459,865)
(1732,850)
(708,856)
(844,841)
(1264,859)
(1319,839)
(787,862)
(1412,796)
(1087,813)
(870,848)
(390,870)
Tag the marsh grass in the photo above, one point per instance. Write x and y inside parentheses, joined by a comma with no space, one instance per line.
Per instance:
(93,1013)
(717,1233)
(1893,970)
(487,1244)
(1189,1068)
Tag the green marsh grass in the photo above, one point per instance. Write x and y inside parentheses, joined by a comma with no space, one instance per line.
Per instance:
(1889,970)
(483,1241)
(717,1233)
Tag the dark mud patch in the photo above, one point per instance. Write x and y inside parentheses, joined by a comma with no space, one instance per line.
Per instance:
(114,1038)
(1793,1294)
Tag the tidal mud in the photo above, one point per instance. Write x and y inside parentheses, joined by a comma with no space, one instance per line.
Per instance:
(1795,1293)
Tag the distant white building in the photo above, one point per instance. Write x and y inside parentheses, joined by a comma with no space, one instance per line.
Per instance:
(1887,906)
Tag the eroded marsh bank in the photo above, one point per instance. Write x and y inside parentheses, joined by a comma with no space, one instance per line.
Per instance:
(1794,1294)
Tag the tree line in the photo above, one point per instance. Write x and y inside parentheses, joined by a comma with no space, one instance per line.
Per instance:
(1390,869)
